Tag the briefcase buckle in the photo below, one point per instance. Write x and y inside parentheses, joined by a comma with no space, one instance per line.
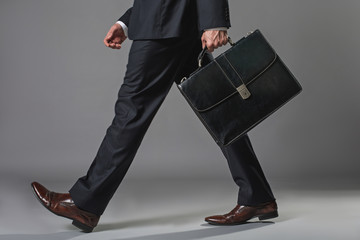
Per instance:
(244,92)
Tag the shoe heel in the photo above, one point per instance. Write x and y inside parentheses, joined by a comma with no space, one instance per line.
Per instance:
(269,215)
(82,226)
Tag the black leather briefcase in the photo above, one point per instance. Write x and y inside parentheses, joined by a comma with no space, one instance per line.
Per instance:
(239,88)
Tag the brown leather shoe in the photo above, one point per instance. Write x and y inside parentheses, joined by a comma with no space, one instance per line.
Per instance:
(241,214)
(62,205)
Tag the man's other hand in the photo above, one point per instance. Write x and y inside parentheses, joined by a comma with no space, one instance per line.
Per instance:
(115,37)
(213,39)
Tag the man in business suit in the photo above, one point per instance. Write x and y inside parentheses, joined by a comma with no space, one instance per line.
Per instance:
(167,37)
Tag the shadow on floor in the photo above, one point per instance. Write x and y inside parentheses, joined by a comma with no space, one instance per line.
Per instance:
(176,219)
(52,236)
(201,233)
(206,231)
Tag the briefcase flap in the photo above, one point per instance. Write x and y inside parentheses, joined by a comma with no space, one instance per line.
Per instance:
(221,78)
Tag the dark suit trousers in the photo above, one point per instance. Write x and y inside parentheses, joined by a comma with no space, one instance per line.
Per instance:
(153,66)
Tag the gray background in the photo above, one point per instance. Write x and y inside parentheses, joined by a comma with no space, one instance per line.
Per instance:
(58,86)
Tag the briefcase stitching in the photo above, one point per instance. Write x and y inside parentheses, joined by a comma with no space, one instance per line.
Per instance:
(214,105)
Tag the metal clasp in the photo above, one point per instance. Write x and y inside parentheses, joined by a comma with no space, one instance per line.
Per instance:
(244,92)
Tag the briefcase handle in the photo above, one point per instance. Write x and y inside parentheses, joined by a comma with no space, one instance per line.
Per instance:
(203,52)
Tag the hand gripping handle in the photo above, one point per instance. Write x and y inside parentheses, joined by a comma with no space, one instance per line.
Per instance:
(203,52)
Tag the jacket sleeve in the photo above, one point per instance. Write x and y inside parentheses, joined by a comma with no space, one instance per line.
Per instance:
(125,18)
(213,14)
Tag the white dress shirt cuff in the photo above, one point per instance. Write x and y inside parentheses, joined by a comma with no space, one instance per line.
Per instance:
(217,29)
(124,27)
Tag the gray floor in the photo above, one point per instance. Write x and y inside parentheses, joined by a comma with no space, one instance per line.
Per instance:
(174,210)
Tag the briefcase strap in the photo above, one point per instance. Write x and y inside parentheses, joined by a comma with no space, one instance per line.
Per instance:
(242,89)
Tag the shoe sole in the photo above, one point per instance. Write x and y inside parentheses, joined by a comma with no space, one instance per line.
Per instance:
(262,217)
(76,223)
(266,216)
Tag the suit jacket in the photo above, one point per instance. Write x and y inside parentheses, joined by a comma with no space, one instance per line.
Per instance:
(158,19)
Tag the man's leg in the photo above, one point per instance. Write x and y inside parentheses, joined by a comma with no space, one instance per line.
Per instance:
(151,71)
(255,198)
(247,173)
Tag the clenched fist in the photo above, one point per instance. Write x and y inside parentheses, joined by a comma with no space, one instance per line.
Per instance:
(115,37)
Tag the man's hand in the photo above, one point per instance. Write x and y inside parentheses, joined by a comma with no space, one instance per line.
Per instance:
(213,39)
(115,37)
